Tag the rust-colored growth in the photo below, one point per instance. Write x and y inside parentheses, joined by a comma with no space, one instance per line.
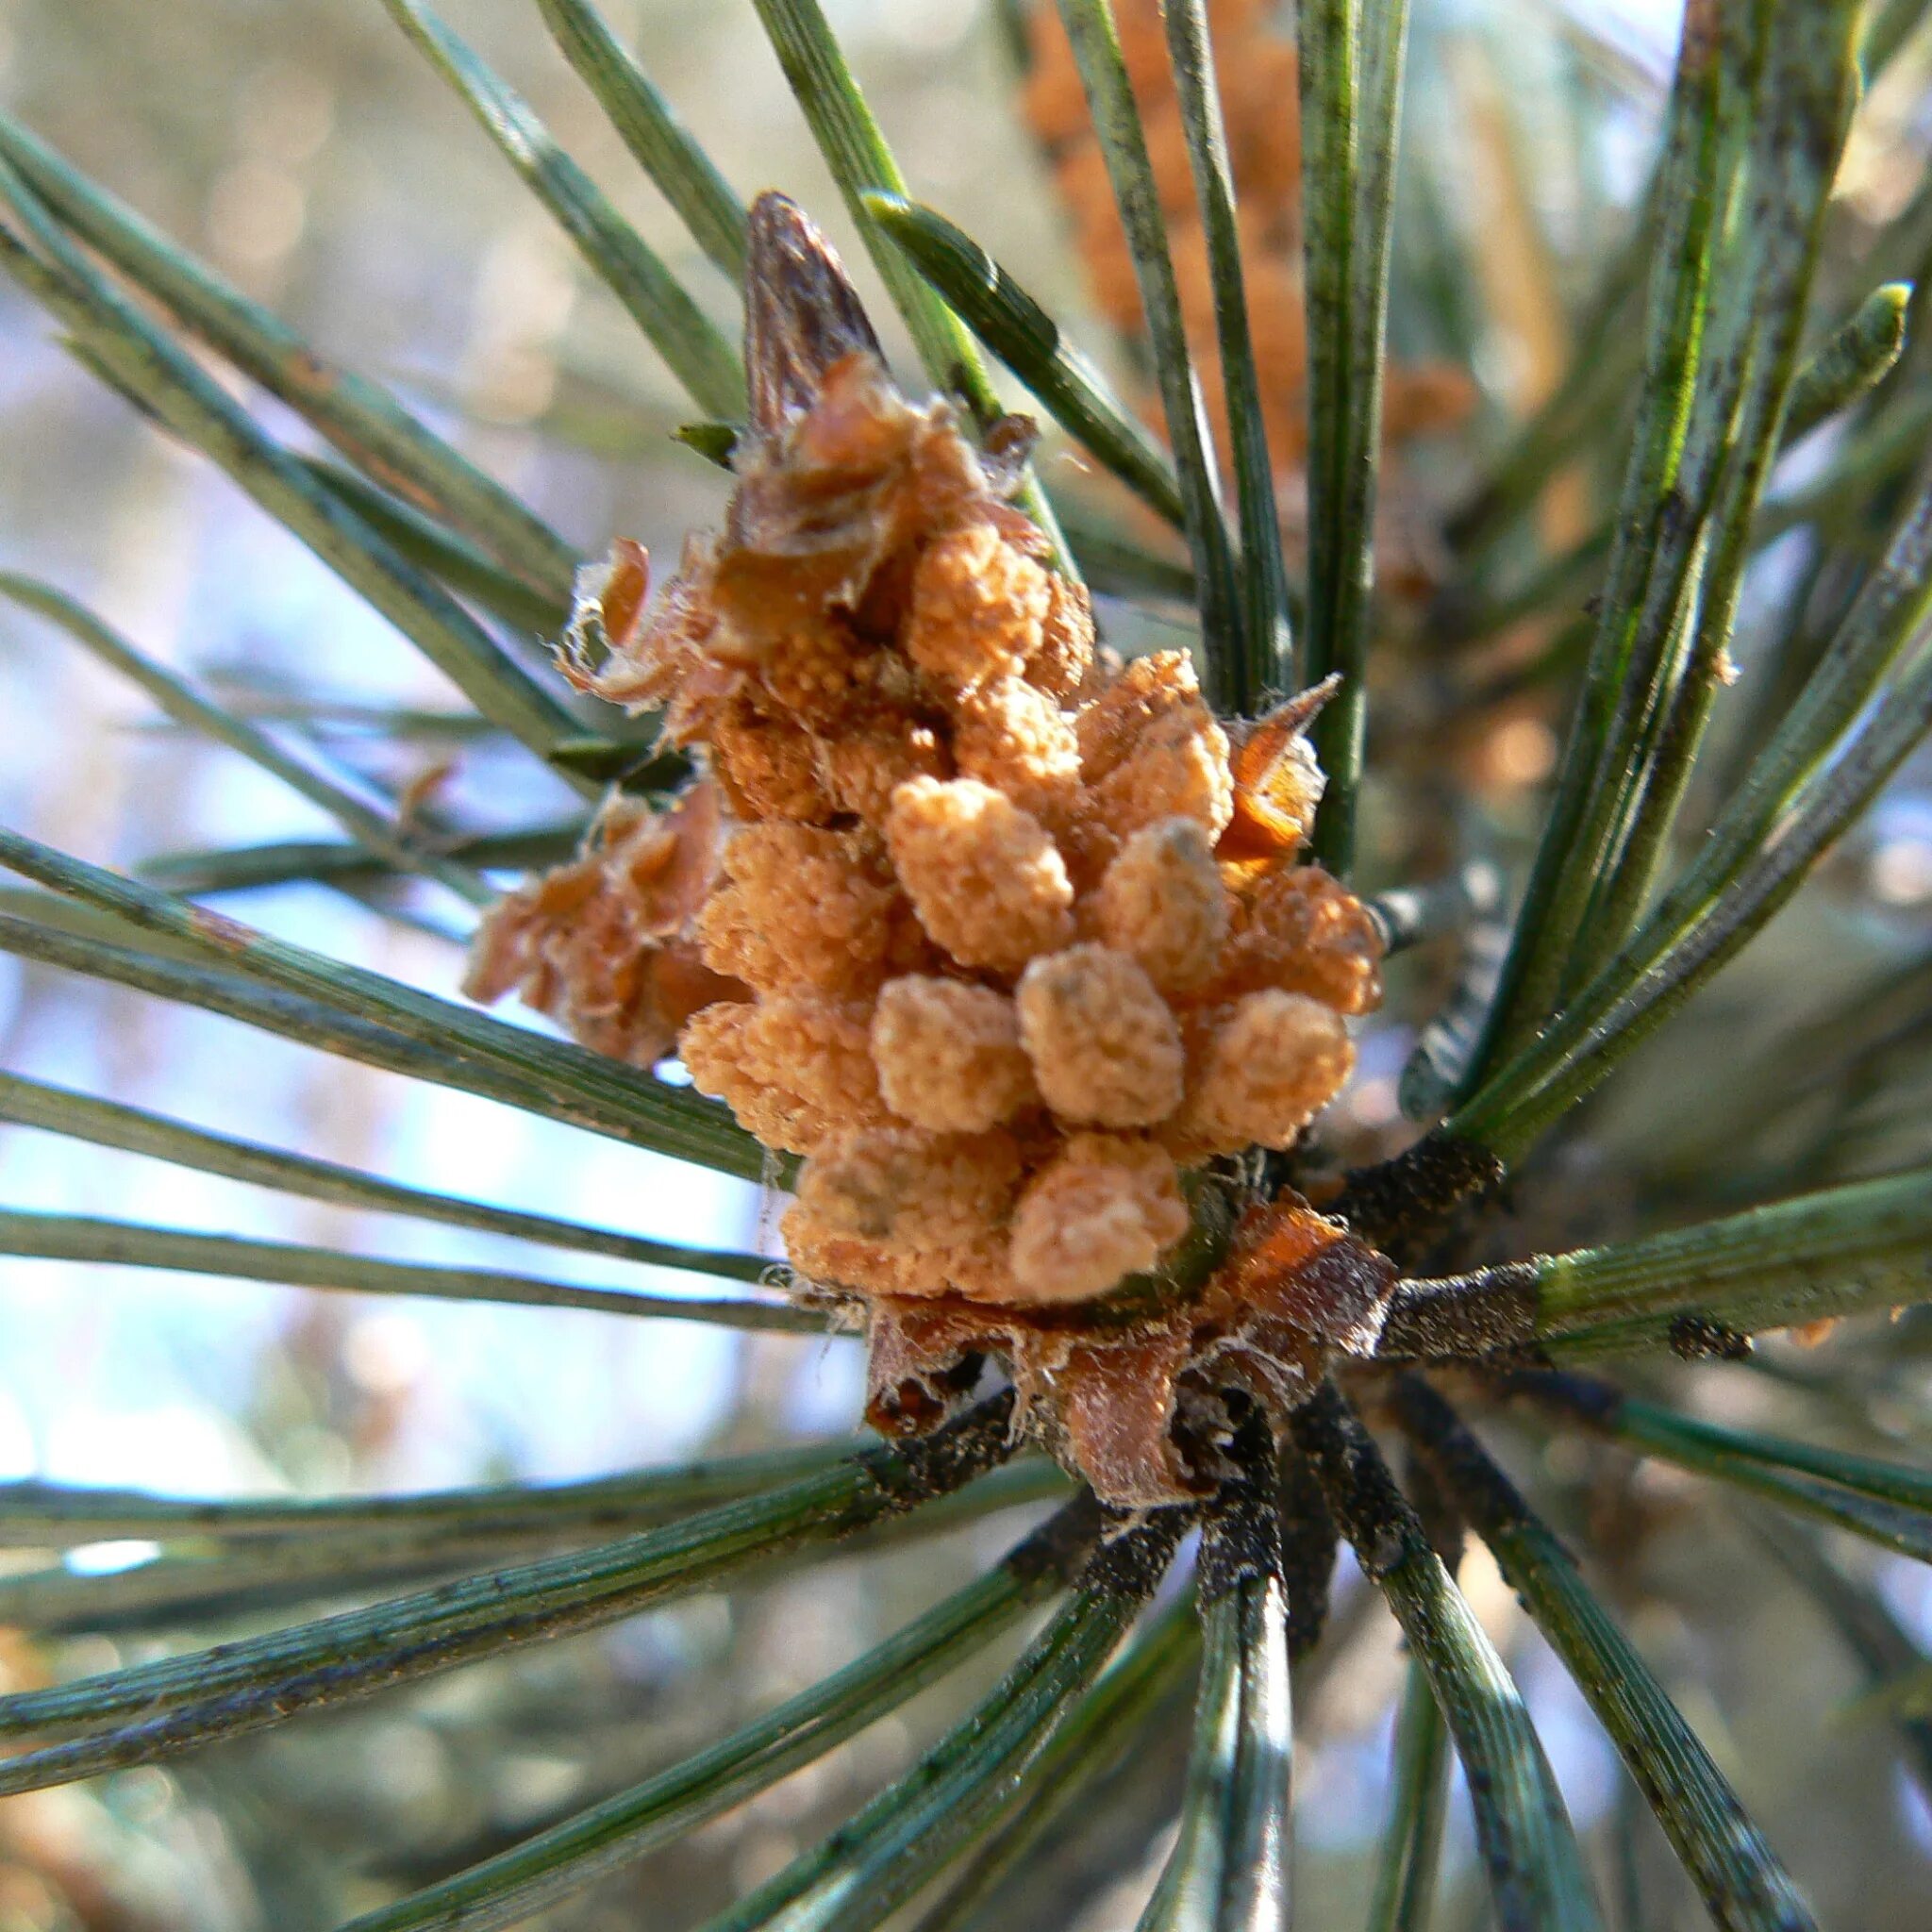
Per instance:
(604,945)
(1256,68)
(978,955)
(1277,784)
(1135,1406)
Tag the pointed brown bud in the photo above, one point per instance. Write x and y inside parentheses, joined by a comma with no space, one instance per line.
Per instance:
(800,313)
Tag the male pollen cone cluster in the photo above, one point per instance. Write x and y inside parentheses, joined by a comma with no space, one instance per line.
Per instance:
(998,932)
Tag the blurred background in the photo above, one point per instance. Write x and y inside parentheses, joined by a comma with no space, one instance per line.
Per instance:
(306,151)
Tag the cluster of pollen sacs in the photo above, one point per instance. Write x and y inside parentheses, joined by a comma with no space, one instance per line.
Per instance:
(998,932)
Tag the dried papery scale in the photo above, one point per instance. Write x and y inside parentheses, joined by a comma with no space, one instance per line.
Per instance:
(1009,939)
(606,945)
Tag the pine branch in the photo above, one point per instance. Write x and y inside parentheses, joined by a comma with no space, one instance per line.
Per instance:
(358,418)
(144,1712)
(508,1061)
(1090,28)
(1351,92)
(106,1124)
(1528,1847)
(1741,1883)
(693,349)
(1865,1244)
(558,1863)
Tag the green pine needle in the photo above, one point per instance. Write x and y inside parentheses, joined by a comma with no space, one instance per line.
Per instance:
(854,148)
(1409,1858)
(128,1244)
(1740,1882)
(657,140)
(1021,333)
(557,1863)
(693,348)
(1351,93)
(1117,122)
(1528,1846)
(576,1085)
(362,420)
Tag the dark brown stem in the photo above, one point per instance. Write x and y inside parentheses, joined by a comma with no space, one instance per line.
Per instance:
(1488,1314)
(1456,1463)
(1309,1545)
(1241,1530)
(1404,1206)
(1372,1512)
(1441,1517)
